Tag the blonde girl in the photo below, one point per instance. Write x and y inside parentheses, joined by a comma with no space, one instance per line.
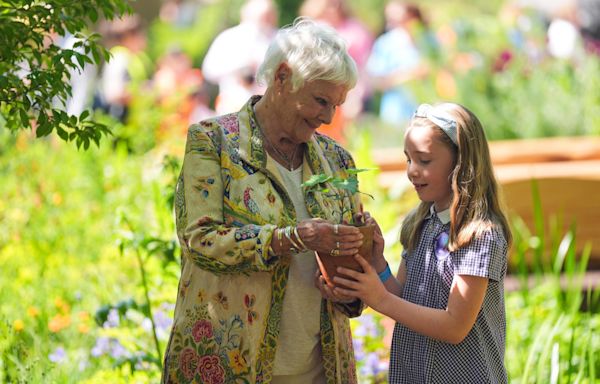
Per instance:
(448,296)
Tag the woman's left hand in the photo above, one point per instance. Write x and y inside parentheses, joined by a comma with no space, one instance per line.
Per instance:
(362,285)
(328,293)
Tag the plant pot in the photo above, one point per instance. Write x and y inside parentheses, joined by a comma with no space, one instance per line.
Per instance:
(328,264)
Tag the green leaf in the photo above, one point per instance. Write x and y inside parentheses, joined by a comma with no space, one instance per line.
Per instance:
(350,184)
(316,180)
(62,133)
(354,171)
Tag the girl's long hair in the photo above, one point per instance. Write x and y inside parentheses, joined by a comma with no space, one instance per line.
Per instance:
(476,205)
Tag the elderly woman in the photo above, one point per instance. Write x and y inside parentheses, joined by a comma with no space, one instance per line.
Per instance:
(248,307)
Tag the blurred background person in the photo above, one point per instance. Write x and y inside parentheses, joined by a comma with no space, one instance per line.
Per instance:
(180,13)
(126,67)
(588,15)
(359,38)
(234,55)
(398,58)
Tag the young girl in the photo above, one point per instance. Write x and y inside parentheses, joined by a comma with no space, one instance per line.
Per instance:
(448,295)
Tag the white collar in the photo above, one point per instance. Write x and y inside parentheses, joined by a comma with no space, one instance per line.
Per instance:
(443,216)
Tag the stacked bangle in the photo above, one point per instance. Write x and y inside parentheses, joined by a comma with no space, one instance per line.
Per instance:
(304,247)
(291,233)
(385,274)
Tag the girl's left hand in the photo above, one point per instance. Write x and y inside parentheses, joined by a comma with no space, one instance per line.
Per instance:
(328,293)
(363,285)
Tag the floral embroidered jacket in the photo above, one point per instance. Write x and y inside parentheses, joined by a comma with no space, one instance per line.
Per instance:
(228,203)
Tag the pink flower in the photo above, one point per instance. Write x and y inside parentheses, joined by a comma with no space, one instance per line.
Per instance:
(211,370)
(202,329)
(188,363)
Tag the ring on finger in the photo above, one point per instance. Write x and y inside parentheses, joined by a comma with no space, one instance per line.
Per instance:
(336,229)
(334,252)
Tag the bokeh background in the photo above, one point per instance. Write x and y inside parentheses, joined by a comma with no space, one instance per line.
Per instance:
(88,255)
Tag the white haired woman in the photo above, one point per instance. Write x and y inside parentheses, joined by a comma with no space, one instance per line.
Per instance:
(248,309)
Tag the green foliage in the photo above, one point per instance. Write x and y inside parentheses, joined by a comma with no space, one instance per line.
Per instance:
(34,71)
(349,184)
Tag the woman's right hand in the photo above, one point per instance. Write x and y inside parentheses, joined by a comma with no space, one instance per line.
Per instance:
(331,239)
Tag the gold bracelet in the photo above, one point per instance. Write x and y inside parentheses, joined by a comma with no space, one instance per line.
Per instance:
(304,247)
(295,248)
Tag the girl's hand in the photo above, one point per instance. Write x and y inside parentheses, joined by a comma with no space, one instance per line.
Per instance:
(378,261)
(362,285)
(328,293)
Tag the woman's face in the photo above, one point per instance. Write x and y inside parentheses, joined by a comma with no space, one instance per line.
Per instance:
(430,163)
(303,111)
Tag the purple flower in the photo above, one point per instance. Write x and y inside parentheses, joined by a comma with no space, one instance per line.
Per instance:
(113,319)
(101,347)
(441,245)
(58,356)
(367,326)
(359,352)
(118,350)
(373,365)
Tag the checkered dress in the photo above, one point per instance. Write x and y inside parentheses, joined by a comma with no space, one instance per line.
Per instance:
(479,358)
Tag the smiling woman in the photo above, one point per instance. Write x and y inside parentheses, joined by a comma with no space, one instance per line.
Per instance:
(249,273)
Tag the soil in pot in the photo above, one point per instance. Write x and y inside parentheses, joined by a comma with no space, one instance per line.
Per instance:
(328,264)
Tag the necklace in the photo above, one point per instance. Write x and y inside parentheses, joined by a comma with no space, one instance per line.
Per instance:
(289,160)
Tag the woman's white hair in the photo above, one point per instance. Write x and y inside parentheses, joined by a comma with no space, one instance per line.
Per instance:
(313,51)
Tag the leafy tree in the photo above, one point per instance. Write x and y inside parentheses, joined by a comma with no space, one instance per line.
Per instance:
(34,71)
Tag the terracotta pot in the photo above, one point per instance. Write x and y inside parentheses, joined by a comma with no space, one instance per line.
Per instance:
(328,264)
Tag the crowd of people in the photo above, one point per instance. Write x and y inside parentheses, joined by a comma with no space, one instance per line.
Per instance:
(390,62)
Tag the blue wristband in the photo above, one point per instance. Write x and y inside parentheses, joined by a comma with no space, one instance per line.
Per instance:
(385,274)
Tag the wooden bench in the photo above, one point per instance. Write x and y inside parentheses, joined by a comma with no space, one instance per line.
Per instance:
(567,171)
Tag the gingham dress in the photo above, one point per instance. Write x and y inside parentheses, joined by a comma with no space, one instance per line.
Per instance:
(479,358)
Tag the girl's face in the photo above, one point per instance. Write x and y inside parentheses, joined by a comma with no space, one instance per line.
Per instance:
(430,163)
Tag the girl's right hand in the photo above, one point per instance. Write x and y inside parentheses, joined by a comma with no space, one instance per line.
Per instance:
(378,262)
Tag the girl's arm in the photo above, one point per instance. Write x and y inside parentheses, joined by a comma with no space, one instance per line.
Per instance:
(450,325)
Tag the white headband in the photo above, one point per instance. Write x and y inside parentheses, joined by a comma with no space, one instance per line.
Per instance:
(440,118)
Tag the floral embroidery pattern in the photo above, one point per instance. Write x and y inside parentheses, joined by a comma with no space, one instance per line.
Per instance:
(202,330)
(237,362)
(188,363)
(247,232)
(249,304)
(211,370)
(221,299)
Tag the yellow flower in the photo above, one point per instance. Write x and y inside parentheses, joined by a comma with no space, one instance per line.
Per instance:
(83,316)
(237,361)
(83,328)
(18,325)
(62,305)
(33,311)
(57,198)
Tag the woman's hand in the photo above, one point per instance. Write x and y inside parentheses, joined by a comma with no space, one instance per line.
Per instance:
(362,285)
(328,293)
(330,239)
